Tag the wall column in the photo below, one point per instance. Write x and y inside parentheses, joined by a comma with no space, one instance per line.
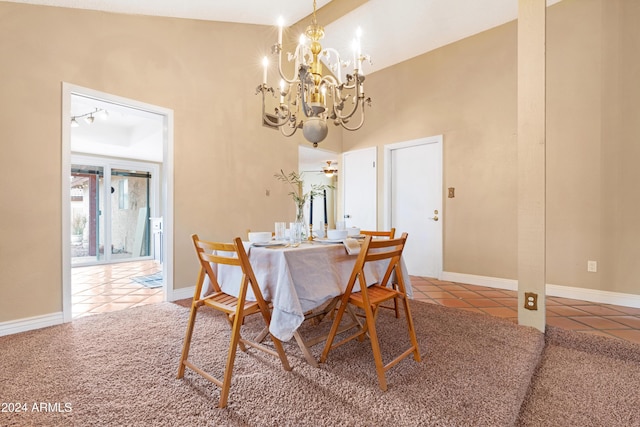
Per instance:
(531,160)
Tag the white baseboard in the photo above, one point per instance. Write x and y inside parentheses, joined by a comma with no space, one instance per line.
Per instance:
(30,323)
(37,322)
(584,294)
(490,282)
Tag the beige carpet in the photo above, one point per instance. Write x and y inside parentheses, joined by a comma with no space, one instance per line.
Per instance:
(119,369)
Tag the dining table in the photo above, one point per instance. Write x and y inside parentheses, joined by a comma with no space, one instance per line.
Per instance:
(299,279)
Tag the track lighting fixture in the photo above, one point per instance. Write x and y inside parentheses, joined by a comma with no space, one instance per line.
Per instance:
(89,117)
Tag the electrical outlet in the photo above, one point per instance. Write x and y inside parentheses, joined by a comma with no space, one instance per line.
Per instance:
(592,266)
(530,300)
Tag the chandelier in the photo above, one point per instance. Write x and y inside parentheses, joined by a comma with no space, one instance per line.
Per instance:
(309,99)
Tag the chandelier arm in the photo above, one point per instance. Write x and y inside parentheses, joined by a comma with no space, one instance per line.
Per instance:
(330,50)
(332,80)
(295,128)
(283,119)
(306,108)
(359,94)
(359,124)
(357,105)
(297,56)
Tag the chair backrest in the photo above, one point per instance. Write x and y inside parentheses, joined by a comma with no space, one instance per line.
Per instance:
(388,234)
(379,250)
(220,253)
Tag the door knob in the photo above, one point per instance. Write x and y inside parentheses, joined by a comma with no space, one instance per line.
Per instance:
(435,215)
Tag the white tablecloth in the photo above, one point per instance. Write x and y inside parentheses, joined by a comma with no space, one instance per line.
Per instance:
(300,279)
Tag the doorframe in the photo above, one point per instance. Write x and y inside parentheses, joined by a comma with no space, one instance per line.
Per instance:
(388,148)
(68,90)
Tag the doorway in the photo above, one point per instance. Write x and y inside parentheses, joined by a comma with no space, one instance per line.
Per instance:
(413,201)
(117,153)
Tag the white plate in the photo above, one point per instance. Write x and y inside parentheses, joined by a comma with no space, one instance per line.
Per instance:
(271,243)
(329,240)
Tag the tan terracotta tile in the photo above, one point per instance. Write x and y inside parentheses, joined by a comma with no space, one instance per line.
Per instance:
(562,310)
(632,335)
(452,302)
(633,311)
(465,294)
(630,321)
(452,287)
(597,322)
(438,294)
(566,323)
(507,301)
(483,302)
(501,311)
(600,310)
(491,294)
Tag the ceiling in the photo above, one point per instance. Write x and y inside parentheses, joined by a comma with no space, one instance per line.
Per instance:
(392,30)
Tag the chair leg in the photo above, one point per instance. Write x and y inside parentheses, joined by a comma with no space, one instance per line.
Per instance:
(375,347)
(412,330)
(240,343)
(228,370)
(334,330)
(187,340)
(395,303)
(266,315)
(283,356)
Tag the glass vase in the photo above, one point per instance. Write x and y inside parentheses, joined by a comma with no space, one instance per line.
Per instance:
(302,221)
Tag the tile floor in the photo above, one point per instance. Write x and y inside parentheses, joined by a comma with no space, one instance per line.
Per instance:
(99,289)
(583,316)
(103,288)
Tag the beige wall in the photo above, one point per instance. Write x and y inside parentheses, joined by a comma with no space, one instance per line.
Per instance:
(467,92)
(205,72)
(224,159)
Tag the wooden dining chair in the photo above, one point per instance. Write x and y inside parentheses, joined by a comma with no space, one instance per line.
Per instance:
(235,308)
(386,235)
(382,234)
(369,299)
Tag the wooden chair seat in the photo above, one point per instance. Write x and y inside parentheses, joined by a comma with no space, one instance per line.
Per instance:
(229,304)
(377,294)
(385,235)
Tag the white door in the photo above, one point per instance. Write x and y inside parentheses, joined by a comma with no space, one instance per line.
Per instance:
(359,188)
(413,178)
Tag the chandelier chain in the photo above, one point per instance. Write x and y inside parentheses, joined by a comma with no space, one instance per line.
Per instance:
(314,20)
